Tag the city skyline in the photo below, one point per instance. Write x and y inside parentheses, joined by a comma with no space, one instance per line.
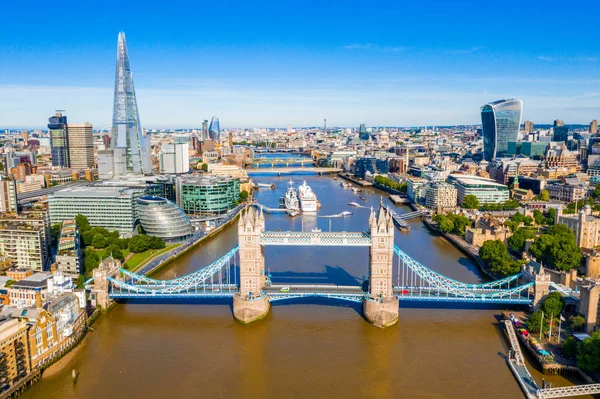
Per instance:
(277,71)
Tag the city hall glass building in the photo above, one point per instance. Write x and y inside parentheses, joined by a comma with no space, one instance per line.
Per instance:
(500,121)
(162,218)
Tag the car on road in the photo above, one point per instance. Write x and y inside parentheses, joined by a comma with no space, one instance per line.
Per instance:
(285,289)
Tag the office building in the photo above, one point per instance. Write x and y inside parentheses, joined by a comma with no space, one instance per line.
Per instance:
(362,132)
(529,127)
(59,139)
(205,130)
(8,196)
(441,196)
(214,130)
(501,121)
(81,145)
(207,194)
(14,356)
(174,158)
(14,158)
(126,128)
(372,166)
(24,239)
(162,218)
(594,126)
(567,192)
(533,149)
(560,133)
(68,257)
(487,191)
(110,207)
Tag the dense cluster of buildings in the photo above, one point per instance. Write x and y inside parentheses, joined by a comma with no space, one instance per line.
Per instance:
(162,180)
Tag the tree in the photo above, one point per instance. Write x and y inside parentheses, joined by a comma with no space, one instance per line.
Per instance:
(496,257)
(205,167)
(114,251)
(55,232)
(557,248)
(99,241)
(444,223)
(513,226)
(244,195)
(545,195)
(123,243)
(553,305)
(470,202)
(87,237)
(539,217)
(80,281)
(577,323)
(138,243)
(156,243)
(534,321)
(82,223)
(596,192)
(460,224)
(551,217)
(588,352)
(570,347)
(516,242)
(92,260)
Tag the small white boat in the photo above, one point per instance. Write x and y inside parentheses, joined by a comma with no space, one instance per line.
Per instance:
(345,185)
(346,213)
(354,204)
(356,190)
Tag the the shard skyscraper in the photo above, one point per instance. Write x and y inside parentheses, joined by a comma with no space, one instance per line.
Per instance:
(130,149)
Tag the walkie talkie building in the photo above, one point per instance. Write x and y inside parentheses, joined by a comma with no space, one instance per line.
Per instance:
(501,121)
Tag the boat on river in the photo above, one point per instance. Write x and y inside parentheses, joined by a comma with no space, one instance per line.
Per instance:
(290,200)
(354,204)
(308,199)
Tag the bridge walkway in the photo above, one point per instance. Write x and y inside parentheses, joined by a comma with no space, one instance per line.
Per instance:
(517,364)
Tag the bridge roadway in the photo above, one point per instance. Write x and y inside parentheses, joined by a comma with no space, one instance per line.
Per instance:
(343,238)
(283,171)
(353,293)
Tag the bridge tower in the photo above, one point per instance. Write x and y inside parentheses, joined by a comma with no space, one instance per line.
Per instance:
(381,306)
(109,267)
(250,303)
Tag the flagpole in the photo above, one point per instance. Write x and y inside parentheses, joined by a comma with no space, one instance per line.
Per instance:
(541,325)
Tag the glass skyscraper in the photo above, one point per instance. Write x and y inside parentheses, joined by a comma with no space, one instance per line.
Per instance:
(59,140)
(214,129)
(127,140)
(500,121)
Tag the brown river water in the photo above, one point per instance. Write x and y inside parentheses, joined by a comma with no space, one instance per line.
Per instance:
(306,349)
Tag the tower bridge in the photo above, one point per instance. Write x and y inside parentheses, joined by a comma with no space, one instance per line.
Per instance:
(393,276)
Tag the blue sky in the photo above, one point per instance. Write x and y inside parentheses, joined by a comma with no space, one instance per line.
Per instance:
(265,63)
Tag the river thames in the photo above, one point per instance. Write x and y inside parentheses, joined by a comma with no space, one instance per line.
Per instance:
(306,349)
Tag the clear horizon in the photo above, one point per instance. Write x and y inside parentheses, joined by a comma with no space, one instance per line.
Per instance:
(276,64)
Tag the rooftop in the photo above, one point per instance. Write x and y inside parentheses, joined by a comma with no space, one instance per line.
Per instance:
(92,191)
(469,180)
